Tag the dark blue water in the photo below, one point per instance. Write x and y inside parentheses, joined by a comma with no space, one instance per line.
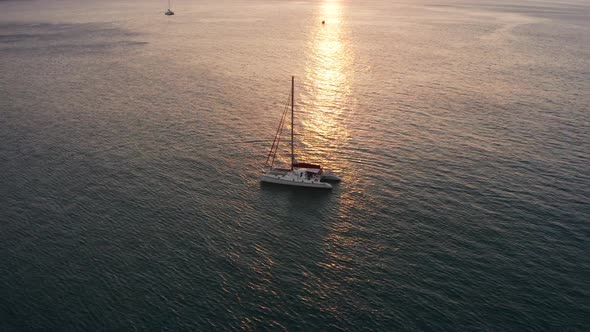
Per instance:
(131,143)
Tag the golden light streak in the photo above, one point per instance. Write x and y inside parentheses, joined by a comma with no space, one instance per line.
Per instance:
(326,97)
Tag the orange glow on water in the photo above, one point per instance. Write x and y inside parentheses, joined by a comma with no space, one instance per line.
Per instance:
(327,86)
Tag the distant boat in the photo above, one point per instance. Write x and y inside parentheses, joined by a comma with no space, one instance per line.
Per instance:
(169,12)
(300,174)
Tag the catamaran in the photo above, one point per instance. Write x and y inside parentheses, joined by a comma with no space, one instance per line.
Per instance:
(169,12)
(300,174)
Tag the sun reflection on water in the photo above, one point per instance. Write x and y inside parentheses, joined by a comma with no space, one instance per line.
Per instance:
(327,108)
(326,96)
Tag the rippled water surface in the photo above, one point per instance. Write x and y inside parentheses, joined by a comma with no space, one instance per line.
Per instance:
(131,143)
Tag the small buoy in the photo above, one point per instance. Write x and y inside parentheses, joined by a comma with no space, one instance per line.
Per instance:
(323,22)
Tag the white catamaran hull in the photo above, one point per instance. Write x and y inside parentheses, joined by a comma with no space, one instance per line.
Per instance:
(292,181)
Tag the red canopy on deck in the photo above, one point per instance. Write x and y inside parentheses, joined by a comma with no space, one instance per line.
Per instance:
(306,165)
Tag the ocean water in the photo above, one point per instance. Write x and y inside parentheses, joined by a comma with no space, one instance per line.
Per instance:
(131,144)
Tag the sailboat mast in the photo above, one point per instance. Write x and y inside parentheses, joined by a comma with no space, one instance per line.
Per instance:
(292,108)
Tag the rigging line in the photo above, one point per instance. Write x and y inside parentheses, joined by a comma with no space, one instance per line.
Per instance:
(275,142)
(280,131)
(272,161)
